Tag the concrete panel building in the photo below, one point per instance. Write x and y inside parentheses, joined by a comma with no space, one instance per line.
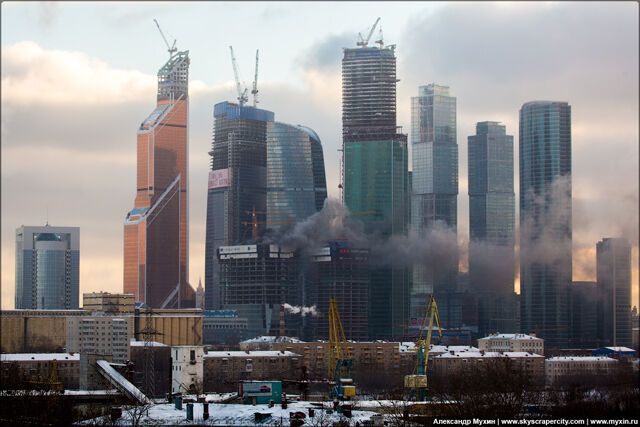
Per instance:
(35,331)
(223,368)
(108,303)
(459,363)
(47,267)
(577,368)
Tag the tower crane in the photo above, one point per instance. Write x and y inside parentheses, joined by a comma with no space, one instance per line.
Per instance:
(254,91)
(340,359)
(418,381)
(364,42)
(242,94)
(171,49)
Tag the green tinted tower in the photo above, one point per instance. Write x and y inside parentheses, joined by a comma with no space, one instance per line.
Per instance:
(375,173)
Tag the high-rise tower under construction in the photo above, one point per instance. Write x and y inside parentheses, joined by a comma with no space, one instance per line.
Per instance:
(156,230)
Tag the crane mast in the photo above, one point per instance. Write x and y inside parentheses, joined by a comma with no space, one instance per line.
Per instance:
(254,91)
(242,94)
(418,381)
(340,359)
(170,48)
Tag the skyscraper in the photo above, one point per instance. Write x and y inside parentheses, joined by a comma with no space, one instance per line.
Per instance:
(614,288)
(492,227)
(435,187)
(545,220)
(375,172)
(47,267)
(156,230)
(296,182)
(237,195)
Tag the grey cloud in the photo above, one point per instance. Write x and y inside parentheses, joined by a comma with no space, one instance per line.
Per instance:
(47,14)
(326,54)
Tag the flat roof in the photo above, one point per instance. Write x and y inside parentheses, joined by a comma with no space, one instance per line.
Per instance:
(22,357)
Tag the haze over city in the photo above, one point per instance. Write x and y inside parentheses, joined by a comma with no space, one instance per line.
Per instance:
(77,80)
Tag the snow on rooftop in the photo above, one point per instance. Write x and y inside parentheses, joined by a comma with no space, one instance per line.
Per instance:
(135,343)
(233,414)
(486,354)
(22,357)
(270,339)
(621,349)
(499,336)
(580,359)
(257,353)
(456,348)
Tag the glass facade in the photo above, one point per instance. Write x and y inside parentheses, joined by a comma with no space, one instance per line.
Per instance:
(545,220)
(237,189)
(296,182)
(434,193)
(491,224)
(614,289)
(156,230)
(375,174)
(47,268)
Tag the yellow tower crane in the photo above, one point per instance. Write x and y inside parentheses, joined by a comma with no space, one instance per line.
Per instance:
(418,381)
(340,359)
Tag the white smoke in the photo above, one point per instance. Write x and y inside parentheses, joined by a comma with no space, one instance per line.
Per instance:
(302,310)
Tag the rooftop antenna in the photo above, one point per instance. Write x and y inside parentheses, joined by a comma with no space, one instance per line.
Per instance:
(365,41)
(242,94)
(46,213)
(254,91)
(171,49)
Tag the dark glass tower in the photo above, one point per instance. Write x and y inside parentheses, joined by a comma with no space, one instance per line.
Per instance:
(435,189)
(491,227)
(614,288)
(237,195)
(375,173)
(545,220)
(296,181)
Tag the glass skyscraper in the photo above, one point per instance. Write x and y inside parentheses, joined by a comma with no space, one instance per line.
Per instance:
(375,173)
(237,189)
(434,187)
(47,268)
(296,181)
(614,289)
(545,220)
(491,227)
(156,230)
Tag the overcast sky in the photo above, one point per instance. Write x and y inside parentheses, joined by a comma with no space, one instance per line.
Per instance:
(78,78)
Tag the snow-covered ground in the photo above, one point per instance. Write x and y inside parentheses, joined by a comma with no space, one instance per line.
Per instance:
(233,415)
